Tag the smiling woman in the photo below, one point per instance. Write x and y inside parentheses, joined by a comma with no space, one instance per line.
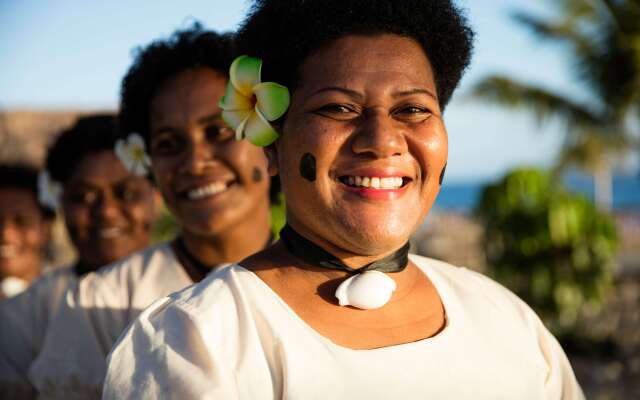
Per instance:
(217,189)
(24,229)
(338,309)
(108,212)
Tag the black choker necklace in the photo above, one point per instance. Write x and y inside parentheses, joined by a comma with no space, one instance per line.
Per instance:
(202,268)
(80,269)
(313,254)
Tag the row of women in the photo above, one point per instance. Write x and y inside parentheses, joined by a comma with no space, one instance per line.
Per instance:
(343,101)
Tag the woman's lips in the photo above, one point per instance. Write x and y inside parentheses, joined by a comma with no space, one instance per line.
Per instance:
(384,187)
(206,190)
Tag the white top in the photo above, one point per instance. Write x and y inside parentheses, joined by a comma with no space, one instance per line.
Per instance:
(25,319)
(232,337)
(72,363)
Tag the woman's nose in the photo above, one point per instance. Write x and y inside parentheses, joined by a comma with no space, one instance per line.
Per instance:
(379,136)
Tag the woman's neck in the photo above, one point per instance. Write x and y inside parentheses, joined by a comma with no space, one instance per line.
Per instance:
(351,258)
(233,244)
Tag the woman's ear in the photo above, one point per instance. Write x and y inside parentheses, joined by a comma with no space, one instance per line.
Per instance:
(272,159)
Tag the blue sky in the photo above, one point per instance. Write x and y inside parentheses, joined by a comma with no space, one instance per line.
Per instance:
(72,54)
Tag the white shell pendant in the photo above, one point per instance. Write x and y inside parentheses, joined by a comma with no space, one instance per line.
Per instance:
(368,290)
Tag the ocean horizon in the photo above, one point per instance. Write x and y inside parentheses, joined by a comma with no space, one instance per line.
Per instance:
(463,196)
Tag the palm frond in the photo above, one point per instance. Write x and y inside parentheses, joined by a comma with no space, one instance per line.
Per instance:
(544,104)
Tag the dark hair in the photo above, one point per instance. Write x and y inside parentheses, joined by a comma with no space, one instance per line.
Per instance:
(283,33)
(89,135)
(164,59)
(24,177)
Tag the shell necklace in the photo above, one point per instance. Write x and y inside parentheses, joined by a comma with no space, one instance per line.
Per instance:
(368,288)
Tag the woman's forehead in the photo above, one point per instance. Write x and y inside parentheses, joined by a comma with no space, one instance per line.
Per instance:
(355,60)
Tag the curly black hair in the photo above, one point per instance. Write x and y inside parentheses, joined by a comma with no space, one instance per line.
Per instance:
(23,177)
(283,33)
(164,59)
(90,135)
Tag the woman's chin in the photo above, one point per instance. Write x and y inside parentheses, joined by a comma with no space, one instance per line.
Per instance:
(376,239)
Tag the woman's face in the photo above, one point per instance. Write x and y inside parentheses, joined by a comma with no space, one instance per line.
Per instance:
(108,210)
(23,234)
(366,109)
(209,180)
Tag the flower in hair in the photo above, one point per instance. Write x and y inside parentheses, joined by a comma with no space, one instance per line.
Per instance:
(248,105)
(131,151)
(49,191)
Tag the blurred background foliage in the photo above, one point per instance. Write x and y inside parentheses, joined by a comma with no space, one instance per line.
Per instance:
(551,247)
(601,43)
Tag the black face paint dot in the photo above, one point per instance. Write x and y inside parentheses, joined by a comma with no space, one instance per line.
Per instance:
(257,174)
(308,167)
(442,173)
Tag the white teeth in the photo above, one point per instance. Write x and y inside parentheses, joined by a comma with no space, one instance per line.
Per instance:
(109,233)
(375,182)
(7,251)
(205,191)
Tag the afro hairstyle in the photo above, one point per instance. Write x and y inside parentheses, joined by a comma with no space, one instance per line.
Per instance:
(89,135)
(283,33)
(23,177)
(162,60)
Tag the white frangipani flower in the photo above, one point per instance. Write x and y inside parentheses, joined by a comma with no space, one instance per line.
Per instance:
(133,154)
(49,191)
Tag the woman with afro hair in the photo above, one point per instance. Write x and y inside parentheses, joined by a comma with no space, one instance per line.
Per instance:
(338,309)
(216,187)
(108,212)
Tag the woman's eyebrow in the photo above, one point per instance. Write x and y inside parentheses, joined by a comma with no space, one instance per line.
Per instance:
(410,92)
(348,92)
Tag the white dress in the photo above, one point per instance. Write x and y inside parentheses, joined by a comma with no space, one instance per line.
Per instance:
(72,363)
(232,337)
(25,320)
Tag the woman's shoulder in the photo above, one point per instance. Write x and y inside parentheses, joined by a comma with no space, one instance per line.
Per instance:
(133,267)
(227,284)
(472,287)
(205,306)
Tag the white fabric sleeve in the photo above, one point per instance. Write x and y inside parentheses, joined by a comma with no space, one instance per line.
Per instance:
(561,382)
(17,345)
(72,363)
(162,355)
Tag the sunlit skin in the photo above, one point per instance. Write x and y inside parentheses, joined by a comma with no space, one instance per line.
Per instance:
(193,152)
(23,234)
(365,106)
(108,210)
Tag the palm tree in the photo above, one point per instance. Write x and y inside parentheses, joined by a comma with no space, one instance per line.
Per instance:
(603,41)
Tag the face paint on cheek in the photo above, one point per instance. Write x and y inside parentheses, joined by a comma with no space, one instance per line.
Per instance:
(308,167)
(442,173)
(257,175)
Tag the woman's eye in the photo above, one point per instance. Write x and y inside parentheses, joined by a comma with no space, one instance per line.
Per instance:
(165,145)
(413,112)
(216,133)
(129,193)
(25,221)
(82,197)
(337,111)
